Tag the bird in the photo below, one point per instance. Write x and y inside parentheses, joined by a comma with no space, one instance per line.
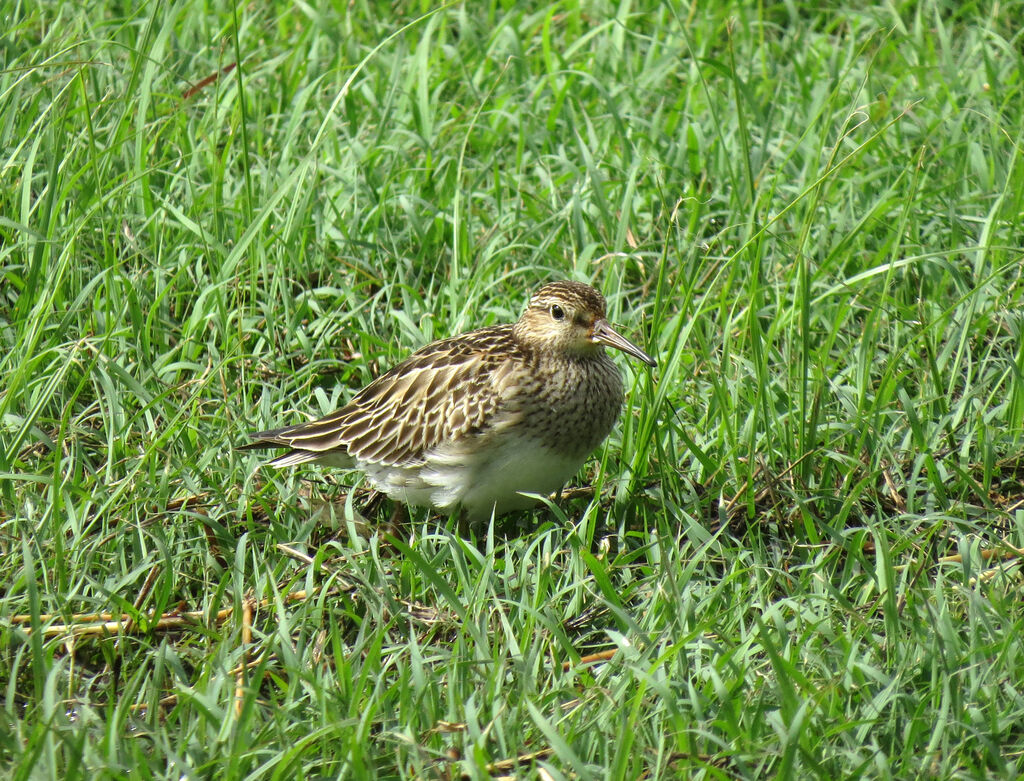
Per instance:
(475,422)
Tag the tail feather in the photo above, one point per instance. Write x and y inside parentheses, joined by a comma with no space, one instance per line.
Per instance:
(294,458)
(265,440)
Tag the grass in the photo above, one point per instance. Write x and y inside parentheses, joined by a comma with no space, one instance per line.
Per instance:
(801,544)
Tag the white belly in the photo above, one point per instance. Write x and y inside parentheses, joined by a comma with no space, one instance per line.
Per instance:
(500,485)
(490,480)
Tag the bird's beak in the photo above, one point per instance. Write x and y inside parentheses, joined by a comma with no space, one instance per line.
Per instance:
(603,333)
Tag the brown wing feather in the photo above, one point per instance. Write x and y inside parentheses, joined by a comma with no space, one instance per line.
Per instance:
(438,394)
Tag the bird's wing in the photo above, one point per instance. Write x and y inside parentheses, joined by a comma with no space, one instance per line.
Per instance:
(441,393)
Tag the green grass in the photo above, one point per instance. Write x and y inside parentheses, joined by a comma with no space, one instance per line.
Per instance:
(216,219)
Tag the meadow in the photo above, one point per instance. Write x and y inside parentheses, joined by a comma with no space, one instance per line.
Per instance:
(797,556)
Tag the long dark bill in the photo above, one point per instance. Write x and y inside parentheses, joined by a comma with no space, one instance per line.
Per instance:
(605,334)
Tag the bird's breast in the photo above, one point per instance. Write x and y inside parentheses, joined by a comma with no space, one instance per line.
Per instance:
(575,406)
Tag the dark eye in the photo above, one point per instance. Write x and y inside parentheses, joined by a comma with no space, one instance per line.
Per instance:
(556,312)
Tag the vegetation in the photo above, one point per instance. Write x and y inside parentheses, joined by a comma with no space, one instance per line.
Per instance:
(800,556)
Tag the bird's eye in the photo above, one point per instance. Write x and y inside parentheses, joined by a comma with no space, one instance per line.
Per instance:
(556,312)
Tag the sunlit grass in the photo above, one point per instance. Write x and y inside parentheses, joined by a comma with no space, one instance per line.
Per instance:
(800,542)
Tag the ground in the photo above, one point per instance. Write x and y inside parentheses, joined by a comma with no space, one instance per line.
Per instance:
(797,555)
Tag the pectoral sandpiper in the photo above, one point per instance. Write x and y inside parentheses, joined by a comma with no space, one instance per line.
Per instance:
(475,421)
